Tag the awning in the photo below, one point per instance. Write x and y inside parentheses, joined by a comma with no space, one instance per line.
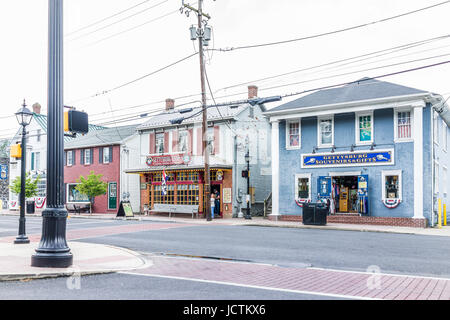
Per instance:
(179,168)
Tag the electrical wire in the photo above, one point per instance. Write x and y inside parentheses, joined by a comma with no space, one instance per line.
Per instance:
(333,32)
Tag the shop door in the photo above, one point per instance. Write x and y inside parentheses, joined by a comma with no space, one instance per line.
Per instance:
(324,187)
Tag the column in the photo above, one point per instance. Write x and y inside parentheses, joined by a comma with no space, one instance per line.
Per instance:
(275,168)
(418,162)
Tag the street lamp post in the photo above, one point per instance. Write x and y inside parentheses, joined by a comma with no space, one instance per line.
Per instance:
(53,251)
(24,116)
(248,216)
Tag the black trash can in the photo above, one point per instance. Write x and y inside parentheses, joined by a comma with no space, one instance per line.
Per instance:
(315,213)
(30,206)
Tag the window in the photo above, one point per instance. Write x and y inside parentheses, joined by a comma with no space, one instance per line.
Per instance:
(182,141)
(325,132)
(106,155)
(403,125)
(70,158)
(187,194)
(37,159)
(444,180)
(293,134)
(159,143)
(392,184)
(210,140)
(188,176)
(303,186)
(169,198)
(38,135)
(87,156)
(364,128)
(73,195)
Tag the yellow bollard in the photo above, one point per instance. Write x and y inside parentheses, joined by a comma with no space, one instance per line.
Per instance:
(445,214)
(439,214)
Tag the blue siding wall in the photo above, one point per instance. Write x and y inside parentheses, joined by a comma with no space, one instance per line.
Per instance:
(344,136)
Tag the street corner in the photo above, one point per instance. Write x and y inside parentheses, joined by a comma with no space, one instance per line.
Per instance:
(88,259)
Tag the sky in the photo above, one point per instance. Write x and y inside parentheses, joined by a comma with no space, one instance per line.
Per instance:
(140,37)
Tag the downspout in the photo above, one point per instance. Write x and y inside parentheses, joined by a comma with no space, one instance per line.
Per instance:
(433,166)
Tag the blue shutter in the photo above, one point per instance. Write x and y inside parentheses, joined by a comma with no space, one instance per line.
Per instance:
(81,156)
(32,161)
(110,154)
(100,155)
(92,156)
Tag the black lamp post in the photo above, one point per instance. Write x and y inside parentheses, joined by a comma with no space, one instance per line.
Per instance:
(53,251)
(24,116)
(248,216)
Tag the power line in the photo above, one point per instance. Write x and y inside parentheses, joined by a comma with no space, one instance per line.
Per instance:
(109,17)
(118,21)
(333,32)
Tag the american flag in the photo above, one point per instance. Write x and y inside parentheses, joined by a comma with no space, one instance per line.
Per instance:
(163,183)
(404,125)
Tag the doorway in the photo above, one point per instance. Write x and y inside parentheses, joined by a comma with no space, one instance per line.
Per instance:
(345,194)
(216,189)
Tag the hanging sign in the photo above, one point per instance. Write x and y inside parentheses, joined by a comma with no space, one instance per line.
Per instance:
(167,160)
(347,159)
(3,172)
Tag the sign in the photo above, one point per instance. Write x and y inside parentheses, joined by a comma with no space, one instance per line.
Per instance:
(125,209)
(112,195)
(348,159)
(219,175)
(167,160)
(226,195)
(3,172)
(324,187)
(39,202)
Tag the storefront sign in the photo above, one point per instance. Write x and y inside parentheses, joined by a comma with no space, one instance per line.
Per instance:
(167,160)
(226,195)
(357,158)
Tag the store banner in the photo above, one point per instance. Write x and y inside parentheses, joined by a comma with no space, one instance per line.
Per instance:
(167,160)
(345,159)
(3,171)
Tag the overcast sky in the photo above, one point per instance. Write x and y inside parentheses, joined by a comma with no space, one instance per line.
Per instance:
(113,52)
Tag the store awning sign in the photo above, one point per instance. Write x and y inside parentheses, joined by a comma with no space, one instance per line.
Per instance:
(341,159)
(167,160)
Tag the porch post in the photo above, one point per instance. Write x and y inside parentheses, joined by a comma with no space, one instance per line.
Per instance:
(275,169)
(418,162)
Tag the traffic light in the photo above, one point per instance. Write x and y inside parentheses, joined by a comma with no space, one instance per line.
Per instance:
(76,121)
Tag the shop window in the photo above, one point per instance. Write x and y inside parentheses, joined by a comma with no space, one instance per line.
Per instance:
(392,185)
(364,128)
(325,132)
(293,135)
(187,176)
(303,186)
(403,125)
(187,194)
(73,195)
(159,143)
(169,198)
(183,141)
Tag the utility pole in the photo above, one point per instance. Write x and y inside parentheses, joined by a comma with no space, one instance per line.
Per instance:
(200,34)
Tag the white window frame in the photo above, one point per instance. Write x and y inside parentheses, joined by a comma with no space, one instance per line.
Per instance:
(87,160)
(319,132)
(357,116)
(396,112)
(156,142)
(302,176)
(184,131)
(67,194)
(385,173)
(288,123)
(70,158)
(105,159)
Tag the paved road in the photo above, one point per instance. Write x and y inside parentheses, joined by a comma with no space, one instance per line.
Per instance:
(283,251)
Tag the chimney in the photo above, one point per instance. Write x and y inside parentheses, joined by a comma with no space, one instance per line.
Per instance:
(170,104)
(252,92)
(37,108)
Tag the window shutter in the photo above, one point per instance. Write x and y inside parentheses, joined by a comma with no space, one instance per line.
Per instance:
(174,141)
(92,156)
(100,155)
(81,156)
(32,161)
(152,138)
(199,141)
(166,142)
(74,153)
(216,139)
(110,154)
(190,136)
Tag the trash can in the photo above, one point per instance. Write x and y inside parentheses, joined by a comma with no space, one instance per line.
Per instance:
(315,213)
(30,206)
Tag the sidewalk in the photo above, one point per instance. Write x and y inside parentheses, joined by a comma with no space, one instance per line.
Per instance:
(260,221)
(87,259)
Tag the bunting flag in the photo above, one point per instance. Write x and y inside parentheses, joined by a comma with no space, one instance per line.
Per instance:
(163,183)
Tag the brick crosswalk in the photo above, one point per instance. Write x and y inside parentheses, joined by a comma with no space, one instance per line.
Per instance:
(346,284)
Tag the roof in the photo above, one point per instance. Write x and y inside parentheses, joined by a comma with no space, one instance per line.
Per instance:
(108,136)
(214,113)
(41,119)
(363,89)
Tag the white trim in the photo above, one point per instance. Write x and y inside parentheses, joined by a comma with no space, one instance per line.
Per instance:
(275,168)
(418,163)
(298,176)
(288,122)
(385,173)
(357,133)
(396,111)
(444,180)
(319,140)
(344,174)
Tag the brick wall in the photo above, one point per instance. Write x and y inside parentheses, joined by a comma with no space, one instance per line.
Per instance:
(110,172)
(381,221)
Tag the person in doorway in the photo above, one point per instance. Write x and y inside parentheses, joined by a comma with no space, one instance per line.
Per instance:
(217,204)
(213,204)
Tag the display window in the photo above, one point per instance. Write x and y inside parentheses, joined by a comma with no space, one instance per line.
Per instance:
(392,185)
(73,195)
(303,187)
(187,194)
(169,198)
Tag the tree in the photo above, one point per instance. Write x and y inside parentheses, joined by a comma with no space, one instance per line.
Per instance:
(92,186)
(31,189)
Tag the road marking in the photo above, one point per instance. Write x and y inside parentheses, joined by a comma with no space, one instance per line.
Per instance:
(248,286)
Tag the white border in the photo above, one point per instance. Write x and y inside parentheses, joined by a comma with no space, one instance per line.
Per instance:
(385,173)
(411,113)
(302,175)
(319,144)
(288,122)
(362,114)
(348,165)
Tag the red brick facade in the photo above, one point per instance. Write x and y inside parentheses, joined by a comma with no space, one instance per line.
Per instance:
(110,172)
(355,219)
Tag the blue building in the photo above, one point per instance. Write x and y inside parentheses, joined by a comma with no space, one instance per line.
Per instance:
(377,150)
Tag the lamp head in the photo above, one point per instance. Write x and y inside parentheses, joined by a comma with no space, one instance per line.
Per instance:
(24,115)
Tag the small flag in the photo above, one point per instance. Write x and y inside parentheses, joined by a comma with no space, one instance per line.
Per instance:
(163,183)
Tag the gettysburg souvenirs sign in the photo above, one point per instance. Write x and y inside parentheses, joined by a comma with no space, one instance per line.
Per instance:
(347,159)
(167,160)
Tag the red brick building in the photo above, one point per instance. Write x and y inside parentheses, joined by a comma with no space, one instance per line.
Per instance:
(100,152)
